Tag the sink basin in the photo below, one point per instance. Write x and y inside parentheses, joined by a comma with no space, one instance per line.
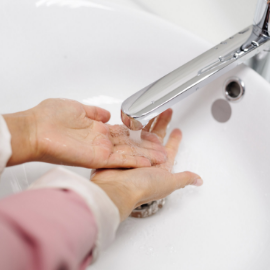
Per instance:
(100,54)
(225,223)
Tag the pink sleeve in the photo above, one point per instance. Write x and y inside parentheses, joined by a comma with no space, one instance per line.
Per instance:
(46,229)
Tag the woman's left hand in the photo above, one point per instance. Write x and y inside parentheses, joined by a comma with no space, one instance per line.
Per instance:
(63,131)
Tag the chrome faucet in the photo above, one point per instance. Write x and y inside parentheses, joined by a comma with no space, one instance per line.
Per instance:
(162,94)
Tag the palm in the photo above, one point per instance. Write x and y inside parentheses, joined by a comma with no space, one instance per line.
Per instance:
(154,182)
(151,183)
(70,133)
(131,188)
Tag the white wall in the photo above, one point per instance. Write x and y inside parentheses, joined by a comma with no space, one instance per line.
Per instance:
(213,20)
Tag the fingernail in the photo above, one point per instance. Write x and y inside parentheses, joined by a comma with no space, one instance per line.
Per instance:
(198,182)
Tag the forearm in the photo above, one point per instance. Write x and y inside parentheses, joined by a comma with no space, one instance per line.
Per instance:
(20,126)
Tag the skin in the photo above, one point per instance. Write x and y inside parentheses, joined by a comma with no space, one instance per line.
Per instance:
(62,131)
(66,132)
(129,189)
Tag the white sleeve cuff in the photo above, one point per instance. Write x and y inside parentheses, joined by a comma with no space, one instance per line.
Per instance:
(5,144)
(104,210)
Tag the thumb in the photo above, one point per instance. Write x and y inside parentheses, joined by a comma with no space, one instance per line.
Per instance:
(186,178)
(96,113)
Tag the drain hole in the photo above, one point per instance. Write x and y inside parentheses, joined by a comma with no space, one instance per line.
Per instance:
(234,89)
(143,206)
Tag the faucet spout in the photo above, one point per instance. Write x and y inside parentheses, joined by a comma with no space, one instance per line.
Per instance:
(140,108)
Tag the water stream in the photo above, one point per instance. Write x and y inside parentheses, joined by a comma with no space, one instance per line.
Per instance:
(135,135)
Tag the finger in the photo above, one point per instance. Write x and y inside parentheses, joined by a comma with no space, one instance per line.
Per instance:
(117,160)
(96,113)
(160,184)
(160,126)
(147,136)
(148,126)
(173,144)
(186,178)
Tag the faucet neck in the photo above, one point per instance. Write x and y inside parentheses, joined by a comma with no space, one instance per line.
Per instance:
(262,17)
(261,26)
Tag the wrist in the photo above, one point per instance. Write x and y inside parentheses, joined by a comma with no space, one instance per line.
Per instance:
(21,127)
(122,199)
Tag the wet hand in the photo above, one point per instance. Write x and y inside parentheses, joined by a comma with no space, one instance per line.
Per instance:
(63,131)
(129,189)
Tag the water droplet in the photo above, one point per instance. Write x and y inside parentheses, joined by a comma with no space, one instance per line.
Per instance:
(152,101)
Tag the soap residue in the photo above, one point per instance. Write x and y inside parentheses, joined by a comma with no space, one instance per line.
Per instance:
(127,142)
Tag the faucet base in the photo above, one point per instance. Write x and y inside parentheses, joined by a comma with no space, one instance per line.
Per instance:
(261,64)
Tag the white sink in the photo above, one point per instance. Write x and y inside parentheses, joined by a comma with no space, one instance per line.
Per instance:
(91,51)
